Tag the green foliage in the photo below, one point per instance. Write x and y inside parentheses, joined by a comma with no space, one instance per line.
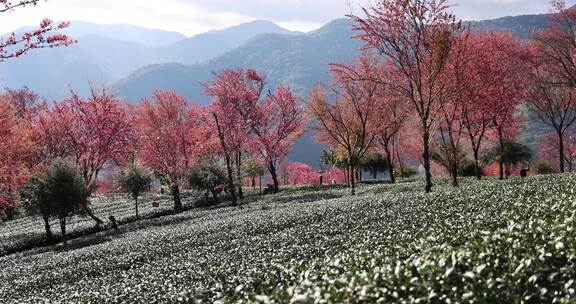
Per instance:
(330,158)
(541,167)
(374,161)
(447,160)
(134,180)
(253,169)
(32,197)
(514,154)
(467,169)
(208,176)
(405,171)
(60,191)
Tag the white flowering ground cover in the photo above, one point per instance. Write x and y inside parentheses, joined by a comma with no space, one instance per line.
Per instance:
(485,242)
(27,231)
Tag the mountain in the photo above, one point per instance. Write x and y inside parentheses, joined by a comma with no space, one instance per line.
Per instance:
(296,60)
(125,32)
(105,54)
(214,43)
(52,72)
(521,26)
(122,32)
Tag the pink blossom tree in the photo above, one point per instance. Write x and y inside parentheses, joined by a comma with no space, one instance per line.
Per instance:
(91,132)
(348,122)
(278,122)
(416,35)
(235,95)
(167,137)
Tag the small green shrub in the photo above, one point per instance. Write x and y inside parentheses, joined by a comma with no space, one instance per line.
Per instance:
(542,168)
(405,171)
(134,180)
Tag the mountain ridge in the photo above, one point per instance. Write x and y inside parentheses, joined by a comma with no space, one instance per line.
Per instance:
(103,57)
(299,61)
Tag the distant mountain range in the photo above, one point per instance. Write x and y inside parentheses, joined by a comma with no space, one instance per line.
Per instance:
(137,61)
(105,54)
(296,60)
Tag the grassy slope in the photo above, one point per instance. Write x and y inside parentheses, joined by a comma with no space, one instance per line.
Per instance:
(390,242)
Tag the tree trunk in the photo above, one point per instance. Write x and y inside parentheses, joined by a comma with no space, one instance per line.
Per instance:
(455,176)
(477,164)
(390,163)
(502,157)
(272,170)
(47,226)
(561,150)
(426,156)
(228,161)
(176,197)
(136,205)
(352,180)
(231,186)
(215,196)
(239,174)
(260,184)
(63,227)
(254,183)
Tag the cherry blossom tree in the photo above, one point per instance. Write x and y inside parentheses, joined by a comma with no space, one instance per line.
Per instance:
(45,36)
(391,104)
(457,84)
(91,132)
(557,44)
(416,35)
(302,174)
(554,106)
(17,146)
(235,95)
(167,137)
(349,121)
(503,85)
(278,122)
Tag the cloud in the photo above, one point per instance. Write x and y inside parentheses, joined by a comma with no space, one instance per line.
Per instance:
(196,16)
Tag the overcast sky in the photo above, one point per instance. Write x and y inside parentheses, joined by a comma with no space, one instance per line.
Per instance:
(191,17)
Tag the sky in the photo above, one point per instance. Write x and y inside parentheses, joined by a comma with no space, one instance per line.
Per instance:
(191,17)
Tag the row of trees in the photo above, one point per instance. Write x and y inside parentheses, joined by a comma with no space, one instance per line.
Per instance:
(165,133)
(460,89)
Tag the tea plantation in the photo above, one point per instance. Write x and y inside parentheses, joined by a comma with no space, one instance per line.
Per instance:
(484,242)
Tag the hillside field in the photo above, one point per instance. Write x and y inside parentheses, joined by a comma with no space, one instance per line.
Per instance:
(484,242)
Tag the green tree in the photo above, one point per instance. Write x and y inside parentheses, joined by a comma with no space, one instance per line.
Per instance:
(253,169)
(541,167)
(512,153)
(31,196)
(134,180)
(374,162)
(208,176)
(59,192)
